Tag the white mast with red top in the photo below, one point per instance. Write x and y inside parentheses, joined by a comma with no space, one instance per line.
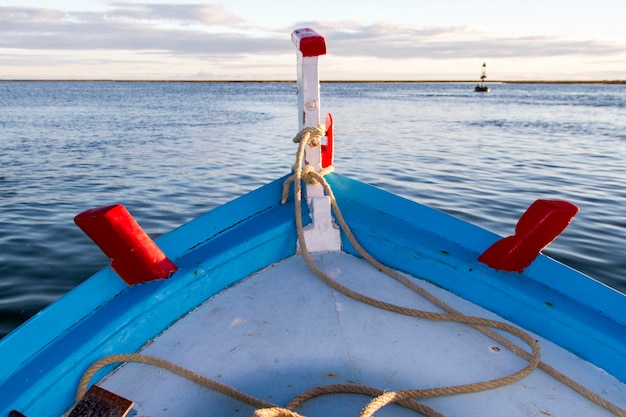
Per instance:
(322,235)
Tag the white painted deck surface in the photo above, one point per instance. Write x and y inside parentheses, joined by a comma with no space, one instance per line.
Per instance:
(283,331)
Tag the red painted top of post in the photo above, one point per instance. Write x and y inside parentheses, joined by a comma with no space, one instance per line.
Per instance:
(309,42)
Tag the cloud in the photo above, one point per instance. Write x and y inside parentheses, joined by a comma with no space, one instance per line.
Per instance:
(208,14)
(204,30)
(391,41)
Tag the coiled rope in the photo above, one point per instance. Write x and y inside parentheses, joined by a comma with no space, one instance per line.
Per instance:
(405,398)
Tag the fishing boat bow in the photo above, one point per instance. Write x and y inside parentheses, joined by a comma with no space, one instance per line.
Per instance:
(317,294)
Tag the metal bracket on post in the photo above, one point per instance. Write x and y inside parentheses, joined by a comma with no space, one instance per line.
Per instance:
(323,234)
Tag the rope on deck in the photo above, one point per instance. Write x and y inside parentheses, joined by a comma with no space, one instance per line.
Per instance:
(312,136)
(405,398)
(263,408)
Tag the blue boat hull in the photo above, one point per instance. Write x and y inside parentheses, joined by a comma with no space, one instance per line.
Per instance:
(44,359)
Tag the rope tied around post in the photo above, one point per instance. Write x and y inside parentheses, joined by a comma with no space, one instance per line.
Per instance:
(310,135)
(307,136)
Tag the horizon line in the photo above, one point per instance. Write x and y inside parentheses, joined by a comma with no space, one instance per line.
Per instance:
(616,81)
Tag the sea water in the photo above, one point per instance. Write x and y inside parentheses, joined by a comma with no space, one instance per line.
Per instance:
(171,151)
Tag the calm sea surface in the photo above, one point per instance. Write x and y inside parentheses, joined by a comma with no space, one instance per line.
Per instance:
(171,151)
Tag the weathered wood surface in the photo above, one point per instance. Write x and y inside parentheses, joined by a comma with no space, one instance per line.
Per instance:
(99,402)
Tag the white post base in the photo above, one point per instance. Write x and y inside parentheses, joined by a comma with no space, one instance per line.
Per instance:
(322,235)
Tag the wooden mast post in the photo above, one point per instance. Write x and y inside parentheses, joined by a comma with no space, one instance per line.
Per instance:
(322,235)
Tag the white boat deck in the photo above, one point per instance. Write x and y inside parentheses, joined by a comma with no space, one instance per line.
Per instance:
(283,331)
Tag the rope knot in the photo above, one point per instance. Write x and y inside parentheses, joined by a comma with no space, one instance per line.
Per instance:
(309,175)
(311,135)
(307,136)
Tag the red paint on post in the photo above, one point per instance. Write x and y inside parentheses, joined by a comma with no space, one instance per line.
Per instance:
(542,222)
(327,149)
(309,42)
(134,255)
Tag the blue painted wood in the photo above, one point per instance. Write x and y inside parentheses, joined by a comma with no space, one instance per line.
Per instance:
(46,326)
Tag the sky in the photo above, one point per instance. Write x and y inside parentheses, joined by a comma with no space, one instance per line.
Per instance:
(366,40)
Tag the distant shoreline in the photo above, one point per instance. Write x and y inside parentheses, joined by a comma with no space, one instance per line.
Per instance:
(328,81)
